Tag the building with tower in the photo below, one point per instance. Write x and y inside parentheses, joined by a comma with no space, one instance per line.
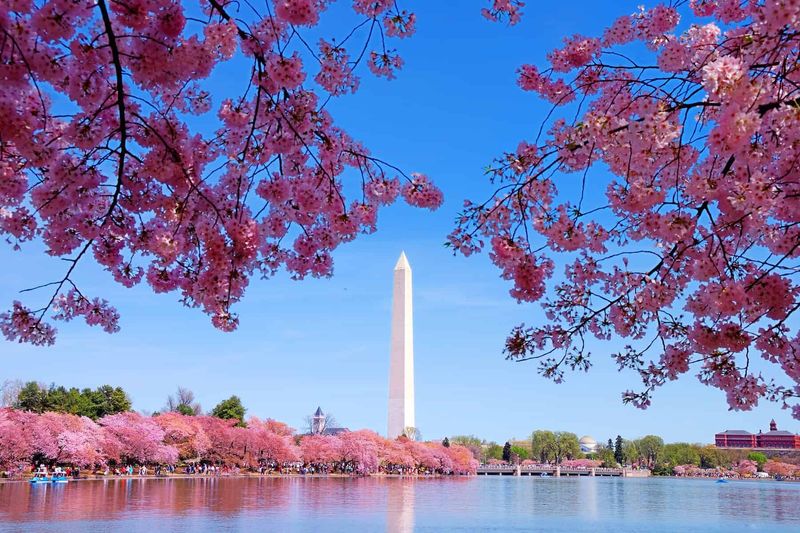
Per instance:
(774,439)
(323,424)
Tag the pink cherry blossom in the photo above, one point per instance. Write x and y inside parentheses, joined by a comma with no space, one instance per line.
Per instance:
(102,160)
(663,210)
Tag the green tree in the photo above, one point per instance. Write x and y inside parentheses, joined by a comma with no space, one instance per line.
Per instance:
(493,451)
(567,446)
(650,447)
(105,400)
(108,400)
(32,397)
(543,446)
(680,453)
(630,452)
(507,452)
(231,408)
(759,458)
(62,400)
(185,410)
(610,445)
(446,443)
(520,452)
(606,455)
(710,457)
(619,456)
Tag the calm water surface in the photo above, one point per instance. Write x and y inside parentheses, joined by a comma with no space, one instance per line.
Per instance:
(372,504)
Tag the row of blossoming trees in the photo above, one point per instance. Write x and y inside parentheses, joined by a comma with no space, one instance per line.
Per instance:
(131,438)
(745,468)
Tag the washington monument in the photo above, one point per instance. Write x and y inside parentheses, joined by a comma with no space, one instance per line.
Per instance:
(401,364)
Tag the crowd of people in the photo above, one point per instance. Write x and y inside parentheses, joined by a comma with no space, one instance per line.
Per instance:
(744,469)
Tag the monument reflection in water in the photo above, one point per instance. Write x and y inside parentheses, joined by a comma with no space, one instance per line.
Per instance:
(401,505)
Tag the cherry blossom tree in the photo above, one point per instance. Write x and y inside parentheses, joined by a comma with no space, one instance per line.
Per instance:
(665,180)
(268,447)
(223,440)
(320,449)
(396,455)
(184,433)
(101,158)
(16,445)
(131,437)
(746,468)
(581,463)
(47,429)
(778,468)
(463,460)
(359,451)
(82,445)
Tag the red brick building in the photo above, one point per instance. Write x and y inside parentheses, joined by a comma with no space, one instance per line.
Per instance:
(772,439)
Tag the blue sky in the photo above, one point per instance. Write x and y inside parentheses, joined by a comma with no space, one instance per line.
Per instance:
(453,108)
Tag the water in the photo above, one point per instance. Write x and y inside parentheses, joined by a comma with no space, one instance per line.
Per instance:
(400,505)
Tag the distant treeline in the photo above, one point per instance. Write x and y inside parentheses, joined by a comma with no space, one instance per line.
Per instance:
(103,401)
(91,403)
(650,451)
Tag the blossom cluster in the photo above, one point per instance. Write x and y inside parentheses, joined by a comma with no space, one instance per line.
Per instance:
(101,159)
(671,200)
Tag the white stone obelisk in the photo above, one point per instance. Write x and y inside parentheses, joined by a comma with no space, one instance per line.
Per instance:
(401,363)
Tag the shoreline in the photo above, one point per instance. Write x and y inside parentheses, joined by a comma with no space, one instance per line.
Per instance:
(343,476)
(238,476)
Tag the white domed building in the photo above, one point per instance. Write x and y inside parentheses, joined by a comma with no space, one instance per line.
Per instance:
(588,444)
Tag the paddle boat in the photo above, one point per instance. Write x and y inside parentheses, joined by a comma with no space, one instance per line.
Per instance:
(544,474)
(59,475)
(40,475)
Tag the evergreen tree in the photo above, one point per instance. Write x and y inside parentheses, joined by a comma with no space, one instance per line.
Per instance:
(619,456)
(446,442)
(610,445)
(230,408)
(97,403)
(507,452)
(32,397)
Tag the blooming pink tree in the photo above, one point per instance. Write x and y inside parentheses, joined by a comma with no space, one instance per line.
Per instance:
(83,446)
(101,159)
(359,451)
(321,449)
(267,446)
(397,455)
(131,437)
(669,190)
(225,446)
(581,463)
(16,443)
(746,468)
(47,429)
(463,462)
(184,433)
(778,468)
